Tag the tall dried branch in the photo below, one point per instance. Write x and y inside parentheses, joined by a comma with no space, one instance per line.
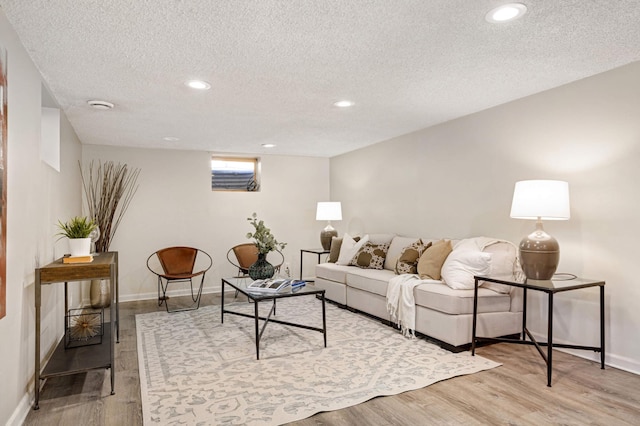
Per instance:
(109,189)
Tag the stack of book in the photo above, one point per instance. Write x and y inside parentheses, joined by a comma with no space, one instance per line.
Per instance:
(275,285)
(77,259)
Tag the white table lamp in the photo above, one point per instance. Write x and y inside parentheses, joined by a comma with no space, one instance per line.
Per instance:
(538,200)
(328,210)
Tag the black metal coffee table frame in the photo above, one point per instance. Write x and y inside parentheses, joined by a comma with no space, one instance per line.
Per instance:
(239,284)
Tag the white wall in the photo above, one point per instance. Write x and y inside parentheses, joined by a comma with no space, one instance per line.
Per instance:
(174,205)
(37,197)
(456,180)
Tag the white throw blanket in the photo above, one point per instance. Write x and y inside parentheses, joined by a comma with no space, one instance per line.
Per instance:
(401,303)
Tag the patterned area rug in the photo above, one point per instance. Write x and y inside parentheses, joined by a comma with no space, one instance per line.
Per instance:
(194,370)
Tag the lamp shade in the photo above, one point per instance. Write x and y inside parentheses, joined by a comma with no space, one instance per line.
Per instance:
(329,210)
(541,199)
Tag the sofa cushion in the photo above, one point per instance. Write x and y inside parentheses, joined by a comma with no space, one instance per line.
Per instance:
(370,256)
(333,272)
(349,248)
(441,297)
(395,248)
(461,266)
(408,260)
(371,280)
(381,238)
(430,263)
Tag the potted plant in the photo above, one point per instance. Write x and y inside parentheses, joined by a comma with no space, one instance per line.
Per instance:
(265,243)
(78,231)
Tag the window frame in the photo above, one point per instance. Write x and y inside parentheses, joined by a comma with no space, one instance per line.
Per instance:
(234,159)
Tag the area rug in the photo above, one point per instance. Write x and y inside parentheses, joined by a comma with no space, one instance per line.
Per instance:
(195,370)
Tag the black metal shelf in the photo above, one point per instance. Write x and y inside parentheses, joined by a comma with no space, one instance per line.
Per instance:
(81,358)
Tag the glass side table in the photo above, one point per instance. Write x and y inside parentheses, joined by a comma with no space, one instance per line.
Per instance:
(550,288)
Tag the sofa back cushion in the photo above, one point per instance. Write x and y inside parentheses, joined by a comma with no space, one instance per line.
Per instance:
(504,261)
(381,238)
(430,263)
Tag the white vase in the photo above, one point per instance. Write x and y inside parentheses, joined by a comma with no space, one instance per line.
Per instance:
(80,246)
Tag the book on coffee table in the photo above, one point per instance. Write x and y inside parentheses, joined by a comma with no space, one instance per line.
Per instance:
(276,285)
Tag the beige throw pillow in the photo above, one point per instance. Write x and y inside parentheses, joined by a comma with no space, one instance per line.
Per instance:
(431,261)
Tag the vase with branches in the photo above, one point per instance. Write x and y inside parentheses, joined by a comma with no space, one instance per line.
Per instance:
(108,188)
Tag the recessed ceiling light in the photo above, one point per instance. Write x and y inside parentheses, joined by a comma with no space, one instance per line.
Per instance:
(100,104)
(505,13)
(171,139)
(268,145)
(198,84)
(343,104)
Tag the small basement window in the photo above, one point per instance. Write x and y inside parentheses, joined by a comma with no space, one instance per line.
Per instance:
(234,174)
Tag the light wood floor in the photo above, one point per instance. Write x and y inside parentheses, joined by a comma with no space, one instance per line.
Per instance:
(513,394)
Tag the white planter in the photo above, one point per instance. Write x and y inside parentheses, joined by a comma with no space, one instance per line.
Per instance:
(80,246)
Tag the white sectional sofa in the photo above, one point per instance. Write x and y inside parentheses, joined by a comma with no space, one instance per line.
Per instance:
(442,312)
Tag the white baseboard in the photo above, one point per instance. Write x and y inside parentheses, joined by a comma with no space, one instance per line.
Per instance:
(22,410)
(154,295)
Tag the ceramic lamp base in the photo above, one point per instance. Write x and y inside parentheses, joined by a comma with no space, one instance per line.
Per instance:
(539,254)
(326,235)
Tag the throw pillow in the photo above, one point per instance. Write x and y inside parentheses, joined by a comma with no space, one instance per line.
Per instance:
(407,262)
(349,248)
(334,251)
(430,263)
(370,256)
(461,265)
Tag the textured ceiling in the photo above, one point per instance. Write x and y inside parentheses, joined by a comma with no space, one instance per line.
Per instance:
(277,67)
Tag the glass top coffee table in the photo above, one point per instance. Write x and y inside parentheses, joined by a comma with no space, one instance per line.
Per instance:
(240,284)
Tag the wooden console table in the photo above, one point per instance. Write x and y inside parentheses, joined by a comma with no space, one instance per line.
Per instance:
(80,359)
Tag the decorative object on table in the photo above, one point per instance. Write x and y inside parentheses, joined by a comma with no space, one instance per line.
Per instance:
(538,200)
(328,210)
(108,188)
(277,285)
(265,243)
(77,259)
(83,327)
(77,231)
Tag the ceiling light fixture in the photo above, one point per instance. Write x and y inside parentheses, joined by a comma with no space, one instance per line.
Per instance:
(198,84)
(343,104)
(268,145)
(506,13)
(103,105)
